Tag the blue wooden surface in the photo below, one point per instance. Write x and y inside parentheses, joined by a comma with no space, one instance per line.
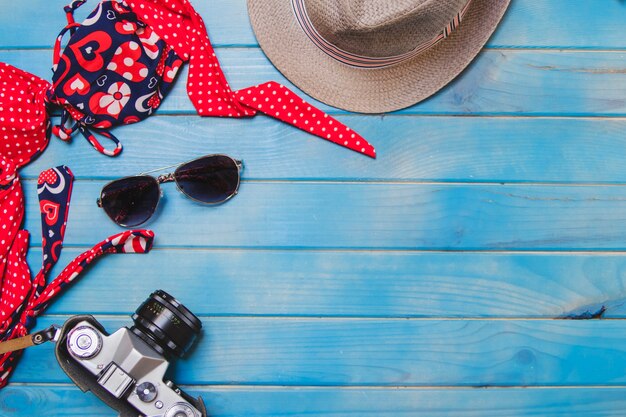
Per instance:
(434,281)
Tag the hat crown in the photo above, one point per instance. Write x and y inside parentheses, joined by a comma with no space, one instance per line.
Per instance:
(375,28)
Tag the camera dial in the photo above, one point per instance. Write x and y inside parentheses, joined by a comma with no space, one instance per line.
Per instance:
(180,410)
(84,342)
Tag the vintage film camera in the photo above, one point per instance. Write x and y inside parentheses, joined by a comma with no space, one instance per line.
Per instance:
(126,369)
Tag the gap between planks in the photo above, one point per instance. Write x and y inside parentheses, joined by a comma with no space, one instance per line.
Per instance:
(335,181)
(352,387)
(294,317)
(415,251)
(542,48)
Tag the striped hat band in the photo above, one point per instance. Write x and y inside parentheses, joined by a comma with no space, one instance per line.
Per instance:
(361,61)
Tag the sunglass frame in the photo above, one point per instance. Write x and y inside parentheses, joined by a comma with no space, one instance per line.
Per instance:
(170,177)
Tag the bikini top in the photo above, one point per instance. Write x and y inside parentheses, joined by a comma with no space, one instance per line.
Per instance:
(119,65)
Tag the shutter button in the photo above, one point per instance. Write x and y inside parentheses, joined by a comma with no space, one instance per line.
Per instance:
(146,392)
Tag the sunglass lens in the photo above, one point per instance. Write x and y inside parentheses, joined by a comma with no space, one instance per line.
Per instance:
(130,201)
(211,179)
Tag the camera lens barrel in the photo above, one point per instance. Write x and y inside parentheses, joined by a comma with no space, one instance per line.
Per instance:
(165,324)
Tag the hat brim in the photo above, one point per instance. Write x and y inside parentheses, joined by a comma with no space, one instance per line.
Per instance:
(369,90)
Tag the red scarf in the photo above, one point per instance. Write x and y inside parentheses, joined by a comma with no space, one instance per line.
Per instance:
(181,26)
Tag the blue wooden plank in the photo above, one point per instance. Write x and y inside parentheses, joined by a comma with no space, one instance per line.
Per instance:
(227,21)
(375,352)
(68,401)
(352,283)
(300,192)
(528,23)
(371,216)
(583,83)
(448,149)
(561,24)
(499,82)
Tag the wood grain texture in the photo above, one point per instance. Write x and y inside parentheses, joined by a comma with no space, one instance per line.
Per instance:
(443,149)
(352,283)
(66,401)
(498,82)
(555,24)
(371,216)
(375,352)
(334,285)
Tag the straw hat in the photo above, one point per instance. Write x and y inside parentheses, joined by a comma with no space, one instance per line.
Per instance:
(373,56)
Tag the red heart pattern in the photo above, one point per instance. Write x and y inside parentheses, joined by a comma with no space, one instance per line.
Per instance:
(76,84)
(51,211)
(89,50)
(48,176)
(169,73)
(126,62)
(125,27)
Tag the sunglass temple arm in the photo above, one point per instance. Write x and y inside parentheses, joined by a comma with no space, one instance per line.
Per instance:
(237,161)
(161,169)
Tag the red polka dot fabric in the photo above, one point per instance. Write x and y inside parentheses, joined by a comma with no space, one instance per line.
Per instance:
(182,27)
(23,115)
(13,242)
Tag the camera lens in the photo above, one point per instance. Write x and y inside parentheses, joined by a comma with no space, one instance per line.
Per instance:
(165,324)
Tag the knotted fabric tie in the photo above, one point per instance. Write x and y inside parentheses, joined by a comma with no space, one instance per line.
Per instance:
(182,27)
(22,300)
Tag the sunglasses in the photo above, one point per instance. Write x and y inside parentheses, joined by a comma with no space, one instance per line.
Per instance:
(211,179)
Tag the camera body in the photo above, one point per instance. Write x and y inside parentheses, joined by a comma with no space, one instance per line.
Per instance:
(127,369)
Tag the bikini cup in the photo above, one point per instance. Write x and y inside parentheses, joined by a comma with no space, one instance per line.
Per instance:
(114,70)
